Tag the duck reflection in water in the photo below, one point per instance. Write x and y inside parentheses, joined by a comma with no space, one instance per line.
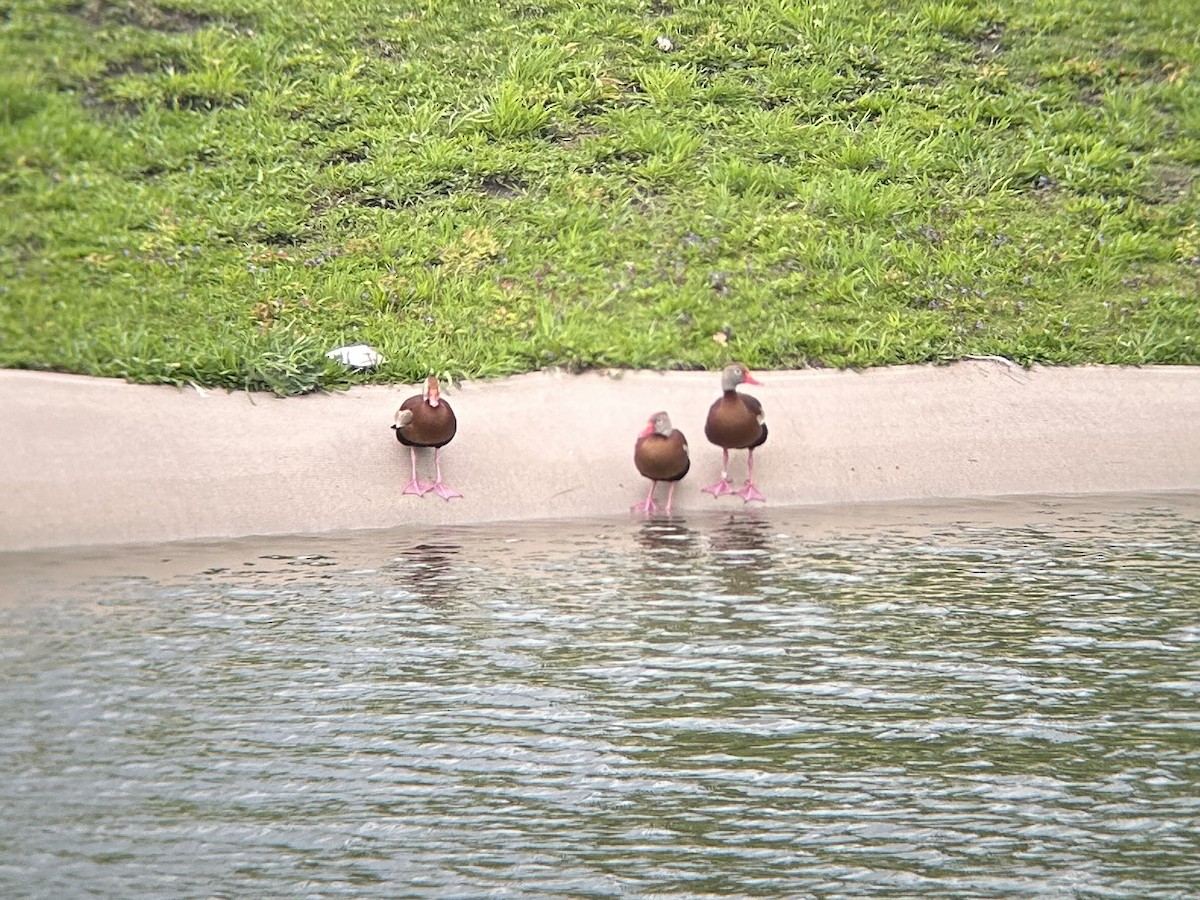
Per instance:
(428,570)
(669,554)
(668,540)
(740,549)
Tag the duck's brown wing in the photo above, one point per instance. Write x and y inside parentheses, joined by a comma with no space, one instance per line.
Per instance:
(409,408)
(680,452)
(752,404)
(756,410)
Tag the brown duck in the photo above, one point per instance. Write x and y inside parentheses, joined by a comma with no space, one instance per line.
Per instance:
(736,422)
(660,454)
(426,420)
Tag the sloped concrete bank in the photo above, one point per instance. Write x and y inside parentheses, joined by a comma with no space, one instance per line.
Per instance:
(97,461)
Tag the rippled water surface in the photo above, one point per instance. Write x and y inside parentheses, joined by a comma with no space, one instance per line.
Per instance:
(998,700)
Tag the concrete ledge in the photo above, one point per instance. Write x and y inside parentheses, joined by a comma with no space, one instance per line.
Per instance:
(98,461)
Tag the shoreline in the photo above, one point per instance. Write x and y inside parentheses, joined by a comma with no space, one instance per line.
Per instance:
(91,461)
(34,576)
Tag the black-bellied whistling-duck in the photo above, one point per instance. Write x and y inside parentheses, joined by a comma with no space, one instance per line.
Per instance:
(736,422)
(426,420)
(660,454)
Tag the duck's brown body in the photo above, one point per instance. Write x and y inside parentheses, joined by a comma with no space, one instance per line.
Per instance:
(430,426)
(662,457)
(660,454)
(735,422)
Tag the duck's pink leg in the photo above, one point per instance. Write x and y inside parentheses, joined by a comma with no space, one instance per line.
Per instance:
(750,492)
(442,490)
(670,497)
(415,486)
(723,486)
(648,505)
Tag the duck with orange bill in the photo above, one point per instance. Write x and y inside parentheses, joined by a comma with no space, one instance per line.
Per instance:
(660,454)
(426,420)
(736,422)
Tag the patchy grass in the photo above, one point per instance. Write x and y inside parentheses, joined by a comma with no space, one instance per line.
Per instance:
(219,190)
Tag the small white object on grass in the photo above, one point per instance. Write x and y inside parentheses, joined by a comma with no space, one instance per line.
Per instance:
(664,43)
(357,356)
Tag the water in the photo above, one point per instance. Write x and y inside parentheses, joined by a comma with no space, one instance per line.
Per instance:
(988,700)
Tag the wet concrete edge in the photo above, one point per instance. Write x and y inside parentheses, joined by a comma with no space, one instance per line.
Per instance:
(87,461)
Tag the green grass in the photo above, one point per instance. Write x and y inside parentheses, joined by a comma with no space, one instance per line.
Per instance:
(218,191)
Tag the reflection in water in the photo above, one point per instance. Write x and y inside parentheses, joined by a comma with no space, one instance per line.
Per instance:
(740,546)
(429,570)
(667,541)
(669,555)
(727,705)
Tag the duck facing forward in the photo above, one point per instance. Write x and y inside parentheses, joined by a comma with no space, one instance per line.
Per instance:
(426,420)
(736,422)
(660,454)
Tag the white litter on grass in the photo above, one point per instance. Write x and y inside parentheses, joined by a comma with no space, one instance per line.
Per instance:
(357,356)
(664,43)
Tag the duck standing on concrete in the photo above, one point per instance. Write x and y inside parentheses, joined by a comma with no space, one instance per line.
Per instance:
(660,454)
(426,420)
(736,422)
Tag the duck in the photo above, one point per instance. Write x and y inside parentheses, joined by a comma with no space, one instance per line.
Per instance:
(736,422)
(660,454)
(426,420)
